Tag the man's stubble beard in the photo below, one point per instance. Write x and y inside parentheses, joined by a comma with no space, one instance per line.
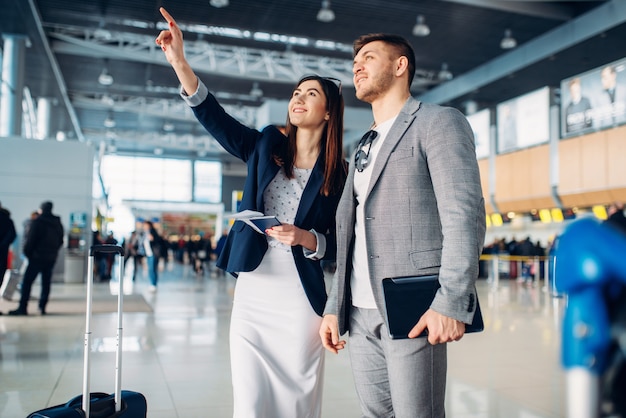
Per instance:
(379,86)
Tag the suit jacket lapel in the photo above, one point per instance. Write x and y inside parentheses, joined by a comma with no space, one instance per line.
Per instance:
(403,121)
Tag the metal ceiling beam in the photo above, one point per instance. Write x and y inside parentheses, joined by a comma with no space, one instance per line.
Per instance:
(593,23)
(174,109)
(528,8)
(151,140)
(223,60)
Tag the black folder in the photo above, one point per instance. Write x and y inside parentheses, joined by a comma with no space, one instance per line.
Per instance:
(408,298)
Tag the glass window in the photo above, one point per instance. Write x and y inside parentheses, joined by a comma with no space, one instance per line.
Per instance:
(144,178)
(208,185)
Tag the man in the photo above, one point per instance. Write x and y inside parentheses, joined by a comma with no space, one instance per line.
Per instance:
(616,218)
(612,102)
(412,205)
(7,236)
(609,81)
(526,249)
(131,247)
(578,113)
(42,247)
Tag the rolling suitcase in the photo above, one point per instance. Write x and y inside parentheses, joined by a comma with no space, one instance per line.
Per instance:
(10,282)
(122,403)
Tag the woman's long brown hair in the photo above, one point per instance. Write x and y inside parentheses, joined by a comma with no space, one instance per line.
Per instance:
(335,166)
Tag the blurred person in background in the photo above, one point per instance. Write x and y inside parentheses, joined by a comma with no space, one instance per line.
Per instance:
(43,242)
(7,236)
(151,244)
(616,217)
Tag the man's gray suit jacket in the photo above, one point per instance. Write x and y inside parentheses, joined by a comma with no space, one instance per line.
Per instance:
(424,212)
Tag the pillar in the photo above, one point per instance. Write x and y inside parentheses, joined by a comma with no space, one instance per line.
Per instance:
(11,91)
(44,106)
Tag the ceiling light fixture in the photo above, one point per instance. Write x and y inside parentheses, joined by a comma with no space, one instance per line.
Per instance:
(107,100)
(470,106)
(326,14)
(421,28)
(109,122)
(508,42)
(444,73)
(103,34)
(105,78)
(168,126)
(219,3)
(256,91)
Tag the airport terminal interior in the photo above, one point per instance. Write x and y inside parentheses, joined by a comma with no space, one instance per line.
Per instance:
(91,119)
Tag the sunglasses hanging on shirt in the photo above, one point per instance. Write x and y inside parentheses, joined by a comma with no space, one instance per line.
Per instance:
(361,159)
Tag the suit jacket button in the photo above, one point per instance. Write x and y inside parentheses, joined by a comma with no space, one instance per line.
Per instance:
(470,307)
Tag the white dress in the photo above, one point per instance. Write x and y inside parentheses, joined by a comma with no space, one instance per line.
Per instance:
(277,359)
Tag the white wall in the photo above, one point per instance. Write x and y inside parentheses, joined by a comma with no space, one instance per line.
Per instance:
(33,171)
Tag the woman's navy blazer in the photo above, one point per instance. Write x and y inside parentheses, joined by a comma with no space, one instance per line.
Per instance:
(244,248)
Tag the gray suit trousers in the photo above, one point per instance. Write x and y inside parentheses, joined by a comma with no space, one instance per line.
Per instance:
(411,370)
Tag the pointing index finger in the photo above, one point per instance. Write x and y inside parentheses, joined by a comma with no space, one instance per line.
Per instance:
(167,16)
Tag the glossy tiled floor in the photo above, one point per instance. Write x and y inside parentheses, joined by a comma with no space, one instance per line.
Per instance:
(177,355)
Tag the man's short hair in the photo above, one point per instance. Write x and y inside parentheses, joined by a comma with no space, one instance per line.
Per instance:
(398,43)
(46,207)
(573,81)
(610,69)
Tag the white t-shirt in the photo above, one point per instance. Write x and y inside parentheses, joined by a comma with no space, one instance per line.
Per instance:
(362,294)
(145,241)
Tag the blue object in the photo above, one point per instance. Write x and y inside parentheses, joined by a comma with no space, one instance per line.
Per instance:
(591,261)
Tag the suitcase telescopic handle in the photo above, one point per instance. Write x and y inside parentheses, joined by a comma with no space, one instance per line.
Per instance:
(107,249)
(103,249)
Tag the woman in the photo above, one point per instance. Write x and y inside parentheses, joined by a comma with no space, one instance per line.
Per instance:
(276,356)
(150,243)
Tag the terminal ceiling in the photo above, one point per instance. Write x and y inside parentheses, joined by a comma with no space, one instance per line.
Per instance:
(253,51)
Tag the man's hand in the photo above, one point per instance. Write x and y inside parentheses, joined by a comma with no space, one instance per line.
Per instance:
(441,328)
(329,333)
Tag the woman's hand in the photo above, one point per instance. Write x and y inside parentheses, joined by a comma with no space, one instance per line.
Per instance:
(171,42)
(292,235)
(329,333)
